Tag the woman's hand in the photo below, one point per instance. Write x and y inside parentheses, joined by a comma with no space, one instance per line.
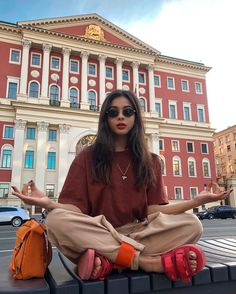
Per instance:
(36,197)
(211,193)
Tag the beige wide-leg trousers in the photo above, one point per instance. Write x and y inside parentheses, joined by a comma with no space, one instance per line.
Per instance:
(73,232)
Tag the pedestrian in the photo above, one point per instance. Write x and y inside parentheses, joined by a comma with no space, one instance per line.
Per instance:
(113,211)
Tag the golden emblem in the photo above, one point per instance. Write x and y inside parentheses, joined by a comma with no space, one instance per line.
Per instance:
(94,32)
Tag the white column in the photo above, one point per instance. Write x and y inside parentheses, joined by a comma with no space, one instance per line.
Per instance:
(24,70)
(155,143)
(135,65)
(18,153)
(65,77)
(63,156)
(102,70)
(84,81)
(45,75)
(41,155)
(119,63)
(151,88)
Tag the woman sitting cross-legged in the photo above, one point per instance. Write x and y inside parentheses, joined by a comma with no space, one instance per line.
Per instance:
(113,211)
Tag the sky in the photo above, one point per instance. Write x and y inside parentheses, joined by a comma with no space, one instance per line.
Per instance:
(196,30)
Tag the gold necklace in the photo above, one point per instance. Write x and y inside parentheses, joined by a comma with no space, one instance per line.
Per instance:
(124,177)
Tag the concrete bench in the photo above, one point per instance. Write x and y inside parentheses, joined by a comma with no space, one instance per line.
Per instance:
(218,277)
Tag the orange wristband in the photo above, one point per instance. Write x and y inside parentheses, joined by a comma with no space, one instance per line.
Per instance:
(125,255)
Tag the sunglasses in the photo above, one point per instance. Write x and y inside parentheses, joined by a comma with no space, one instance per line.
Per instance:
(127,112)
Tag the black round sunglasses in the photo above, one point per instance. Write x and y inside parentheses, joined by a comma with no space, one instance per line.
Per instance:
(127,112)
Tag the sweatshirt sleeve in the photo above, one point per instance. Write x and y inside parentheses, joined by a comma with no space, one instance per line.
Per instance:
(156,194)
(75,190)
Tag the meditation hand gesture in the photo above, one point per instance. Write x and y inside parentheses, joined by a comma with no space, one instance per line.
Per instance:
(212,193)
(36,197)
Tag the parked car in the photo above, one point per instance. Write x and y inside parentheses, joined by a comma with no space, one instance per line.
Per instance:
(221,211)
(13,215)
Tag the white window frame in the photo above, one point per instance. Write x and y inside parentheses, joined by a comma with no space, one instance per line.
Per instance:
(195,167)
(201,106)
(180,166)
(209,166)
(182,192)
(15,62)
(174,140)
(207,147)
(144,76)
(145,101)
(128,70)
(8,188)
(12,80)
(71,71)
(33,81)
(93,90)
(164,162)
(190,191)
(187,146)
(187,104)
(173,83)
(96,69)
(172,102)
(59,90)
(196,87)
(55,69)
(159,86)
(183,80)
(159,100)
(3,133)
(6,147)
(163,144)
(112,70)
(40,59)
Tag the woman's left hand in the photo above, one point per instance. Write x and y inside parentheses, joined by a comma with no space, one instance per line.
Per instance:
(211,193)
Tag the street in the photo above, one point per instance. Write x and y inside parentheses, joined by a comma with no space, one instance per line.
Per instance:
(212,229)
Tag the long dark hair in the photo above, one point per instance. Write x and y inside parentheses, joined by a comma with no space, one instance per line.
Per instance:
(103,147)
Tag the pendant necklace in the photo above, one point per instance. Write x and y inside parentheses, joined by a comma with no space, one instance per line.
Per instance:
(124,177)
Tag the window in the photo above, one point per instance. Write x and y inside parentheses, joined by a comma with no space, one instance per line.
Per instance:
(158,108)
(92,69)
(4,189)
(228,148)
(6,158)
(51,164)
(161,144)
(50,190)
(125,75)
(92,100)
(163,165)
(190,147)
(227,138)
(74,66)
(54,93)
(198,88)
(193,192)
(52,136)
(178,193)
(34,90)
(8,132)
(30,134)
(206,168)
(175,145)
(55,63)
(187,111)
(29,159)
(170,83)
(73,97)
(201,113)
(15,56)
(204,148)
(109,72)
(172,110)
(192,172)
(12,90)
(184,86)
(36,59)
(141,78)
(142,104)
(157,81)
(176,166)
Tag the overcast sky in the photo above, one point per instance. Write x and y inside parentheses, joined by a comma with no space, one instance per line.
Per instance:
(196,30)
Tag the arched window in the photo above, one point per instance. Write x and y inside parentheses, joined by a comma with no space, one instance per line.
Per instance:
(163,164)
(73,97)
(142,104)
(54,93)
(6,156)
(192,172)
(206,168)
(34,90)
(92,100)
(176,163)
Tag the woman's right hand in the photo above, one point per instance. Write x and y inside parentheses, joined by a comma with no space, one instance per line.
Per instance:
(36,197)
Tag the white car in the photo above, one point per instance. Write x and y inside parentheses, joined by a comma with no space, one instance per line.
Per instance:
(13,215)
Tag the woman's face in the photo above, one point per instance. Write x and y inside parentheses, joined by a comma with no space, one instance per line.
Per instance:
(123,122)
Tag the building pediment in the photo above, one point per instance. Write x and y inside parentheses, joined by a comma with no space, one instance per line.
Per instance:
(93,27)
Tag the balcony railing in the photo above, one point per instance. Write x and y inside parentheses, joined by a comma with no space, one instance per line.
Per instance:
(93,107)
(74,105)
(54,102)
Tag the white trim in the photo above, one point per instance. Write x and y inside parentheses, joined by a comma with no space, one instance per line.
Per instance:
(145,101)
(173,102)
(144,77)
(187,104)
(59,92)
(57,57)
(195,167)
(12,80)
(14,62)
(96,95)
(6,147)
(9,190)
(3,132)
(164,162)
(78,62)
(190,191)
(40,59)
(96,69)
(180,166)
(33,81)
(182,80)
(209,167)
(29,148)
(201,106)
(177,145)
(173,83)
(159,100)
(73,87)
(201,147)
(182,192)
(192,145)
(128,70)
(195,84)
(163,145)
(155,86)
(112,68)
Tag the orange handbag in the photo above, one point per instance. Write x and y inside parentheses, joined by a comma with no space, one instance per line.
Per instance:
(32,252)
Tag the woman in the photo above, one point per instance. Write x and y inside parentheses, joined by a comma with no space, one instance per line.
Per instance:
(113,211)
